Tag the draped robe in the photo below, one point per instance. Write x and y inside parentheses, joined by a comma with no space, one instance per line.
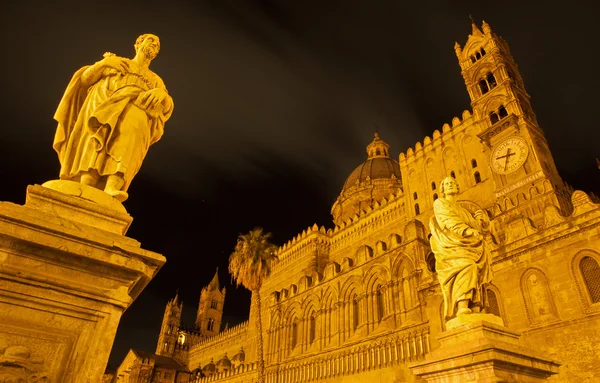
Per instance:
(462,263)
(103,127)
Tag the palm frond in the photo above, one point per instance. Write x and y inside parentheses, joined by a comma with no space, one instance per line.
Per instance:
(252,258)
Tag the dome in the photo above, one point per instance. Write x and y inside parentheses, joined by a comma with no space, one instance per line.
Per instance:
(378,165)
(376,178)
(224,363)
(209,368)
(373,168)
(239,357)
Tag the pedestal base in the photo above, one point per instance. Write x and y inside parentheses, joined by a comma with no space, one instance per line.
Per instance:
(67,274)
(483,352)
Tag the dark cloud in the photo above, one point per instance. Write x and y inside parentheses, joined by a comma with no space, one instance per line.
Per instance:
(275,102)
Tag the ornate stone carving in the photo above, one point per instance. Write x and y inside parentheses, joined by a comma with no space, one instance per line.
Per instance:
(17,365)
(110,114)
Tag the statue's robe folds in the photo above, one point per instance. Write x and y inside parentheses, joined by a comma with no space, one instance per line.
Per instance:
(104,127)
(462,263)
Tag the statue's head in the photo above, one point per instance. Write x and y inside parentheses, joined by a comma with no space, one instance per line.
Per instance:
(148,45)
(449,186)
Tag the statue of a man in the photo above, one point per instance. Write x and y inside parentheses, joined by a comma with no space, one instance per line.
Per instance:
(110,114)
(458,242)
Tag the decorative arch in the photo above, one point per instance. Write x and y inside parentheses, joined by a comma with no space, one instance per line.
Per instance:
(353,283)
(394,240)
(494,302)
(401,261)
(585,268)
(538,299)
(376,274)
(329,308)
(275,319)
(363,254)
(293,310)
(472,46)
(312,302)
(493,103)
(482,72)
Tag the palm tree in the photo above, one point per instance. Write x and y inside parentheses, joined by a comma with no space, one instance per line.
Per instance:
(249,265)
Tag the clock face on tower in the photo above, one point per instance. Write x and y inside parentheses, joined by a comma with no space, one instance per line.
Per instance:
(509,155)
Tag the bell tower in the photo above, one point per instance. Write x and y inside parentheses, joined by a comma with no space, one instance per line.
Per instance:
(210,310)
(518,152)
(167,339)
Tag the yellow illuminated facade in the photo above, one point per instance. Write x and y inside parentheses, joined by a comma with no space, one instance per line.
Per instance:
(361,301)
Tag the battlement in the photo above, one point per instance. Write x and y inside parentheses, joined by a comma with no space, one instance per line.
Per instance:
(421,149)
(224,335)
(373,217)
(293,248)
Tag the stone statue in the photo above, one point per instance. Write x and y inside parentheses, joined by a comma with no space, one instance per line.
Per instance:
(462,260)
(110,114)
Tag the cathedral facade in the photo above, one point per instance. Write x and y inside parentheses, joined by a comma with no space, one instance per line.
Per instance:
(361,301)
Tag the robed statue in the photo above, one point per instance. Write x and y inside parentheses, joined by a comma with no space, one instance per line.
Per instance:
(110,114)
(462,259)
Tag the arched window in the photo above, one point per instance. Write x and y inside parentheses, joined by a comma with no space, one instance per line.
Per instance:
(181,339)
(473,163)
(483,86)
(492,300)
(494,117)
(435,196)
(380,304)
(491,80)
(452,174)
(430,260)
(433,187)
(295,333)
(477,177)
(213,304)
(211,324)
(477,55)
(415,196)
(590,271)
(473,59)
(355,318)
(417,209)
(502,112)
(482,52)
(311,329)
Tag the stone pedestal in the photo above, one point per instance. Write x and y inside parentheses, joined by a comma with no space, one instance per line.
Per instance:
(67,274)
(483,352)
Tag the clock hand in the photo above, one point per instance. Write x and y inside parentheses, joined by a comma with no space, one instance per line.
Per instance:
(508,154)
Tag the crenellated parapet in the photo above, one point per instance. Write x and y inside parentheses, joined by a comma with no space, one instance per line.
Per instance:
(368,221)
(225,335)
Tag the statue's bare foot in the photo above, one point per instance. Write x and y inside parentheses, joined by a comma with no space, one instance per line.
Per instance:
(118,194)
(463,310)
(113,188)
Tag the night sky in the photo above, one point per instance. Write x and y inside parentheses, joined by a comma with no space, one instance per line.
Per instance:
(275,102)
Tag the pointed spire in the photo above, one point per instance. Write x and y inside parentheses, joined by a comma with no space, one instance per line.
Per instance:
(378,148)
(214,284)
(486,28)
(457,48)
(475,30)
(176,299)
